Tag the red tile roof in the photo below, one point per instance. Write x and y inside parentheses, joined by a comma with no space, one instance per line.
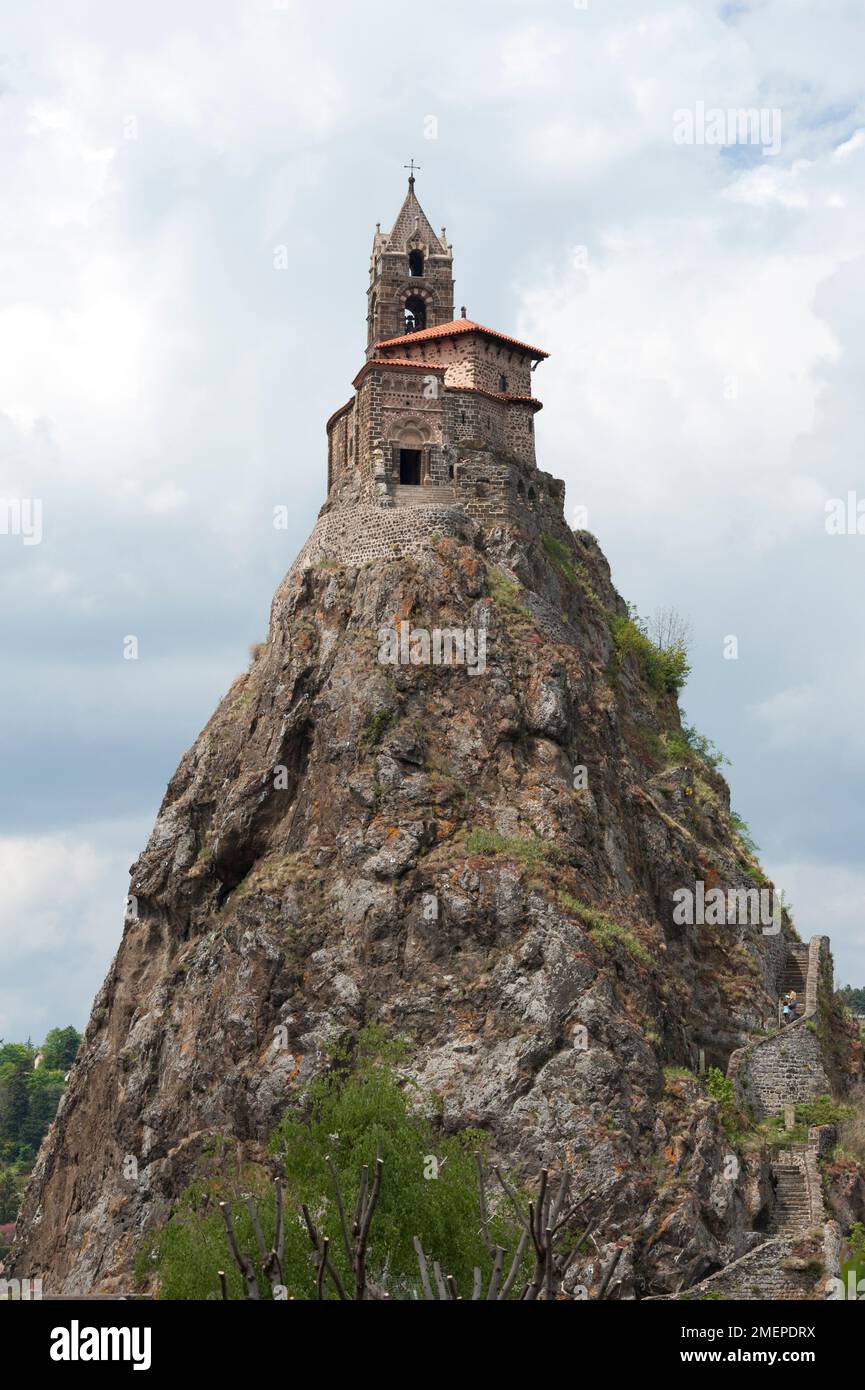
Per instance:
(506,396)
(454,329)
(400,362)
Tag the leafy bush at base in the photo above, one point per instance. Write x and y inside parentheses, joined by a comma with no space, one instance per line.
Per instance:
(856,1263)
(358,1108)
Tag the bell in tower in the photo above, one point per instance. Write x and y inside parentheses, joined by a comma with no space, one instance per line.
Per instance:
(411,276)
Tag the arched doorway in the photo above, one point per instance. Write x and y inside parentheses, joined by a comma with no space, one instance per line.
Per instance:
(410,451)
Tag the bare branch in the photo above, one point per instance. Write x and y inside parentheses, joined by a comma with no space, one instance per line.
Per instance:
(340,1206)
(440,1283)
(493,1293)
(516,1264)
(611,1269)
(243,1262)
(424,1271)
(256,1227)
(482,1202)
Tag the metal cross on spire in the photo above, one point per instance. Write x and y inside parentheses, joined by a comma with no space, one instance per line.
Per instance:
(411,167)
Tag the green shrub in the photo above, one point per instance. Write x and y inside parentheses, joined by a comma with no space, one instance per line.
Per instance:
(855,1265)
(560,558)
(377,726)
(687,744)
(721,1088)
(664,671)
(359,1109)
(605,931)
(822,1111)
(678,1074)
(529,853)
(743,834)
(505,593)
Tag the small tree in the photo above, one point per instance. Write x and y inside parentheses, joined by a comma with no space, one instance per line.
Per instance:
(670,630)
(8,1197)
(59,1048)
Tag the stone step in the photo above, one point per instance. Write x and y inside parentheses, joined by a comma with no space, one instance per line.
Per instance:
(792,1210)
(405,494)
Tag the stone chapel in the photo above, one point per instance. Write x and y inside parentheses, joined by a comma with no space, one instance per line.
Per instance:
(443,408)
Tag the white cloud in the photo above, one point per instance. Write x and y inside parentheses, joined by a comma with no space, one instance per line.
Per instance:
(46,879)
(61,917)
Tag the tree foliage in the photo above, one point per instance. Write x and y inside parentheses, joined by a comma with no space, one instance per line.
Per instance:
(360,1109)
(29,1096)
(664,669)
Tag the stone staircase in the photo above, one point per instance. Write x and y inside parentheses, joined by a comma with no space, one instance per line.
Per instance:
(795,973)
(408,495)
(792,1204)
(772,1073)
(787,1067)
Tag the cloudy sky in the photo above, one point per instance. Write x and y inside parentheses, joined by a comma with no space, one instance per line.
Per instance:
(163,386)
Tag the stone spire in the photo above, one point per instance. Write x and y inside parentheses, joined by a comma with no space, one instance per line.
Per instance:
(411,275)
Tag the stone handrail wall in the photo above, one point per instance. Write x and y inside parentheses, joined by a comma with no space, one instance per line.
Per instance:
(818,954)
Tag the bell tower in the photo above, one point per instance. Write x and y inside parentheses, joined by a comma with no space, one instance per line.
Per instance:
(411,282)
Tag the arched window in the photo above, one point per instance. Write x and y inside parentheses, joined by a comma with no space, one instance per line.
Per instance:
(531,494)
(415,314)
(521,488)
(415,263)
(503,384)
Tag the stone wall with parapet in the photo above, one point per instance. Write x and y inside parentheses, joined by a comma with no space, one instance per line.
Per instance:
(362,534)
(789,1067)
(785,1267)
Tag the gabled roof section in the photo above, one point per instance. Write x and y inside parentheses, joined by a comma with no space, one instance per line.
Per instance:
(454,330)
(400,364)
(412,218)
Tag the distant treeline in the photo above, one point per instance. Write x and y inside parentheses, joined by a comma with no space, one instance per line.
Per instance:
(31,1084)
(853,998)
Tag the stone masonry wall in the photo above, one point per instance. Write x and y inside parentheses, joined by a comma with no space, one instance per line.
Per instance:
(360,535)
(789,1067)
(470,360)
(340,445)
(769,1272)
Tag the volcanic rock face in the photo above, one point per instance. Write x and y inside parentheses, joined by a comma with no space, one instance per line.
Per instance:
(350,841)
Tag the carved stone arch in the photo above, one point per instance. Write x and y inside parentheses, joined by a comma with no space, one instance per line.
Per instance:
(413,434)
(412,290)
